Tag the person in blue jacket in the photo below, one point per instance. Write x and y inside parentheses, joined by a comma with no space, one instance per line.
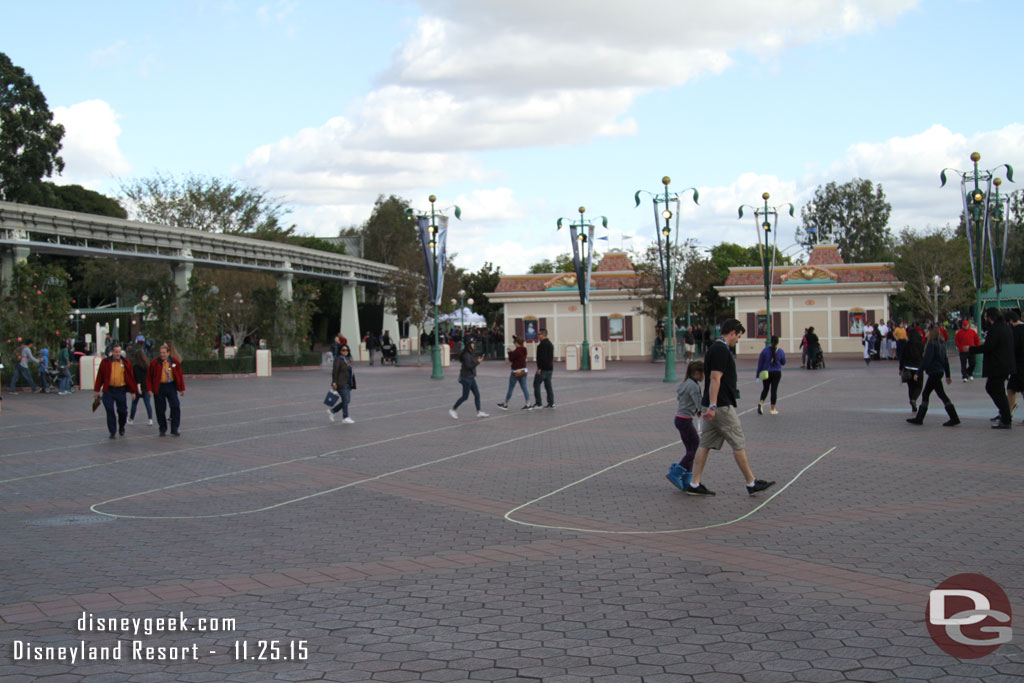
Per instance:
(769,371)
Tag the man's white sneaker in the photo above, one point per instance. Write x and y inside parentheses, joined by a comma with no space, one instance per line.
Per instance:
(455,416)
(349,421)
(330,414)
(481,413)
(130,421)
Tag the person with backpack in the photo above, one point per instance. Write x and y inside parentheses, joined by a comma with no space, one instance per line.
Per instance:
(769,371)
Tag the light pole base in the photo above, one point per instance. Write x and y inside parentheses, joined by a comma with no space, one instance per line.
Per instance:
(585,356)
(435,357)
(670,363)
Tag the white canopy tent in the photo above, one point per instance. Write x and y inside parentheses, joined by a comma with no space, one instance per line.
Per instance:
(456,318)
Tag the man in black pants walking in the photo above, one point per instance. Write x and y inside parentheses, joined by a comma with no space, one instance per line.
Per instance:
(545,366)
(998,363)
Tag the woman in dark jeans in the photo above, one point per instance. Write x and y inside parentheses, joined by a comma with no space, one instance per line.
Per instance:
(935,364)
(467,378)
(771,360)
(140,366)
(910,366)
(812,348)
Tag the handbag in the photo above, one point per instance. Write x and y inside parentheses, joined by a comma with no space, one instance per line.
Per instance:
(521,372)
(908,376)
(763,375)
(331,398)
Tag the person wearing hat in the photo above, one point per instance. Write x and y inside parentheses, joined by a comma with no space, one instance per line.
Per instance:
(965,338)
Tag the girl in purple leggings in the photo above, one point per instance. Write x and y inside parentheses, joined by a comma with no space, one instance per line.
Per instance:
(688,400)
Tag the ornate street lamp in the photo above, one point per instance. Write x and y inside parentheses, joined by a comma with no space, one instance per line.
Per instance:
(666,250)
(433,229)
(937,281)
(977,213)
(767,219)
(582,235)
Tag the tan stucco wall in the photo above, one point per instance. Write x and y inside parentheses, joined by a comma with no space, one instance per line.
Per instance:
(565,325)
(801,310)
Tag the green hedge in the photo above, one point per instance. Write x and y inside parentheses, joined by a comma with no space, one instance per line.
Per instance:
(303,359)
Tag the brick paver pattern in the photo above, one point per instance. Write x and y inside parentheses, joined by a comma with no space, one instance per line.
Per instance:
(412,547)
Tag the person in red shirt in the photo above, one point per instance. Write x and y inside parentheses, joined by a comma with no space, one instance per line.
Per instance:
(517,357)
(114,380)
(965,338)
(166,382)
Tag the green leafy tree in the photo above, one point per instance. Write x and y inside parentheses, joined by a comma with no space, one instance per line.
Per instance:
(693,274)
(920,257)
(478,284)
(36,307)
(209,204)
(561,264)
(72,198)
(855,215)
(1013,268)
(30,141)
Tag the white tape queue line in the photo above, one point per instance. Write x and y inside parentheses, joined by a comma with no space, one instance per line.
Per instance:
(94,507)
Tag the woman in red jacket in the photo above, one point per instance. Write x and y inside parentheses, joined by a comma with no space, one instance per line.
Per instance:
(517,357)
(166,382)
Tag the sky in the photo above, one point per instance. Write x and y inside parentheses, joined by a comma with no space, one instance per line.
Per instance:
(521,112)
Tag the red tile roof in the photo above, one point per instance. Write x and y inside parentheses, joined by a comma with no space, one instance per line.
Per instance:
(615,271)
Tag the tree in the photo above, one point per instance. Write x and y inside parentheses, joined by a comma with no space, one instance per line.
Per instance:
(920,257)
(855,215)
(1013,268)
(72,198)
(36,307)
(693,274)
(30,141)
(209,204)
(561,264)
(483,281)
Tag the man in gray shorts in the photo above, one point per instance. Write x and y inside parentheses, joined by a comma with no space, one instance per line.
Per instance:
(722,423)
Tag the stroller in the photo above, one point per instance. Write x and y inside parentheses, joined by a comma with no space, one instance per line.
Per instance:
(53,377)
(388,354)
(818,361)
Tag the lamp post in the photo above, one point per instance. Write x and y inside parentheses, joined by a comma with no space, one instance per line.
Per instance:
(433,230)
(999,209)
(767,220)
(977,213)
(938,286)
(582,235)
(666,253)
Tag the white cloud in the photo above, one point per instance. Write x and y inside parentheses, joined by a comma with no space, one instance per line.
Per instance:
(91,153)
(492,75)
(111,54)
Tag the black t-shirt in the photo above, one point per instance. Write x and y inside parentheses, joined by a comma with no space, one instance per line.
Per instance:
(719,357)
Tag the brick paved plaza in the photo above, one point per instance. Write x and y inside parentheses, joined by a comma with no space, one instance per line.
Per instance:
(542,545)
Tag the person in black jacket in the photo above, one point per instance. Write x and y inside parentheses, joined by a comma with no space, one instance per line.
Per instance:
(343,382)
(813,346)
(467,378)
(999,363)
(545,366)
(935,364)
(910,366)
(1015,382)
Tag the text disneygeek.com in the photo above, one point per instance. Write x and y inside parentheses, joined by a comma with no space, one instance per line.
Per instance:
(147,651)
